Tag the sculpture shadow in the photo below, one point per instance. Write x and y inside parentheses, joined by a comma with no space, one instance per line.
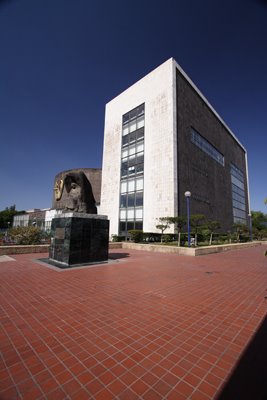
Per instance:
(117,256)
(249,378)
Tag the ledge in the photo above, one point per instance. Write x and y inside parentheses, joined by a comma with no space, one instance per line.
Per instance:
(24,249)
(183,251)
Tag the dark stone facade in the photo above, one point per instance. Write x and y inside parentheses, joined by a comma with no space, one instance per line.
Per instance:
(93,175)
(79,239)
(208,181)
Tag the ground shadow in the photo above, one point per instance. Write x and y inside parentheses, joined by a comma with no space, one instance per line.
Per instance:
(249,378)
(117,256)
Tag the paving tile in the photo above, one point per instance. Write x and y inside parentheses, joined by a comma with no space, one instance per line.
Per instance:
(151,326)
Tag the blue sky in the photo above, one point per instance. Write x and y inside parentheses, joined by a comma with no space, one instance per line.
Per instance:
(61,61)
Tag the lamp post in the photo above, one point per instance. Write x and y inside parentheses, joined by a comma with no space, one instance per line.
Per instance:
(250,226)
(188,195)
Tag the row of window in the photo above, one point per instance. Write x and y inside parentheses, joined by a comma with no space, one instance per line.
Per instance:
(135,113)
(131,214)
(132,185)
(126,226)
(131,200)
(132,170)
(132,165)
(133,137)
(237,173)
(238,195)
(133,125)
(133,149)
(205,146)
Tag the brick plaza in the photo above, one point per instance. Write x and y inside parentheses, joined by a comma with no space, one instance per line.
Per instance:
(146,326)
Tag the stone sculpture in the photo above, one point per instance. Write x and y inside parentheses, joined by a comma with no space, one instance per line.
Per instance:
(80,196)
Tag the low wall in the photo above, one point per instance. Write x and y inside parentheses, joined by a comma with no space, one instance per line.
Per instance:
(25,249)
(187,251)
(183,251)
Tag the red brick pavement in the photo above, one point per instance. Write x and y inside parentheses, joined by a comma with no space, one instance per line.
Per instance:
(150,326)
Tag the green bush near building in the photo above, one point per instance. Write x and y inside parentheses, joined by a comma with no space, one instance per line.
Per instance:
(25,235)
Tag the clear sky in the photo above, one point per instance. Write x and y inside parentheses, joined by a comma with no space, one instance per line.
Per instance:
(61,61)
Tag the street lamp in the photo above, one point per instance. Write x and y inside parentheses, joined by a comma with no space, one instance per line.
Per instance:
(250,226)
(188,195)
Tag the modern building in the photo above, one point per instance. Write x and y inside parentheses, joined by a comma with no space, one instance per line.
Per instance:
(40,218)
(163,138)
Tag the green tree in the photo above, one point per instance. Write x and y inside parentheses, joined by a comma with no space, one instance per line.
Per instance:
(239,229)
(136,235)
(179,222)
(212,227)
(259,220)
(197,221)
(6,216)
(162,226)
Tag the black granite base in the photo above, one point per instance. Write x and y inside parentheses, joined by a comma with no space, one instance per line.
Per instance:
(79,239)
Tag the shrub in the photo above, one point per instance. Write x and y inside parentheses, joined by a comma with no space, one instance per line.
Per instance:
(117,238)
(167,238)
(26,235)
(136,235)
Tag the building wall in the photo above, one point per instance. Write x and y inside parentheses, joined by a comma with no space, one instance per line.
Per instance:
(208,181)
(156,90)
(172,163)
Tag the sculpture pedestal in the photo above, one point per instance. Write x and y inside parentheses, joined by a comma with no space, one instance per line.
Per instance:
(79,239)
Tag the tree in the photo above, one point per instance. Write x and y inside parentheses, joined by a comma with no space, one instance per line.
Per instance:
(265,201)
(196,221)
(164,224)
(179,222)
(6,216)
(259,220)
(238,229)
(212,226)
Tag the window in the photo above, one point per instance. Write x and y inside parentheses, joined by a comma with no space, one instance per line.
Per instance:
(132,170)
(205,146)
(238,195)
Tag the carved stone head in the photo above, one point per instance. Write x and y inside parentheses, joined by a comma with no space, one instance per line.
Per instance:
(80,195)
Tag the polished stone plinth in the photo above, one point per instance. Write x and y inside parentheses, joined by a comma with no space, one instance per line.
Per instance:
(78,239)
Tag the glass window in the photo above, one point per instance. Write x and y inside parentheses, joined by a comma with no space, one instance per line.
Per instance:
(131,186)
(139,183)
(140,134)
(132,137)
(139,168)
(123,215)
(131,197)
(140,122)
(125,140)
(124,153)
(125,130)
(139,199)
(122,227)
(124,187)
(132,126)
(130,213)
(238,195)
(132,164)
(123,202)
(132,150)
(130,225)
(206,147)
(139,225)
(139,213)
(140,147)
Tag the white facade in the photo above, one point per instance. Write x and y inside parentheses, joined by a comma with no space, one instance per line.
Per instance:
(157,91)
